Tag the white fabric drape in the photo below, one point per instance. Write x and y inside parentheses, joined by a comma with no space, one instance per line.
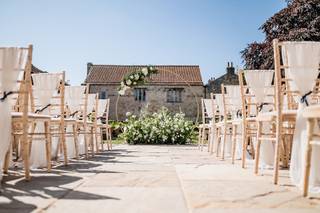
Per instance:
(233,98)
(91,102)
(12,63)
(102,105)
(208,107)
(303,59)
(44,86)
(259,83)
(73,98)
(218,100)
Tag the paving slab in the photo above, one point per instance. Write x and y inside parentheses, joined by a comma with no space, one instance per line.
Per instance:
(150,178)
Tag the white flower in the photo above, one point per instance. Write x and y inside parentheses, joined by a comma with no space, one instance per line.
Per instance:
(122,91)
(128,82)
(122,84)
(131,76)
(145,71)
(134,83)
(137,76)
(128,114)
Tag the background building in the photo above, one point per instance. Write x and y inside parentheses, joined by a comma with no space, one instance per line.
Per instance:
(230,78)
(177,87)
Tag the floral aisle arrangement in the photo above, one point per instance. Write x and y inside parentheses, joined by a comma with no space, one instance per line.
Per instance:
(136,78)
(161,127)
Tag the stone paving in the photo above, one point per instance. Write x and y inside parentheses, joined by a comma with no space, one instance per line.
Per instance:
(153,179)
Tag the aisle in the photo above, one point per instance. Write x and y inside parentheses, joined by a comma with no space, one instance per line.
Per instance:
(153,179)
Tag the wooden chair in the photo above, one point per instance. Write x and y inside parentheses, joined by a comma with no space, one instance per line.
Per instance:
(232,117)
(15,61)
(257,95)
(85,120)
(103,126)
(312,113)
(74,100)
(206,128)
(297,69)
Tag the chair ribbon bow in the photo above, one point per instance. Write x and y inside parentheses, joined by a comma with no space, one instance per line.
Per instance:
(5,95)
(41,110)
(304,98)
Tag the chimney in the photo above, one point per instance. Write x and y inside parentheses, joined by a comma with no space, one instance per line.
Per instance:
(89,65)
(230,69)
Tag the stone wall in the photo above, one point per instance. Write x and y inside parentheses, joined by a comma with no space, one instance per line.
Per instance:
(156,97)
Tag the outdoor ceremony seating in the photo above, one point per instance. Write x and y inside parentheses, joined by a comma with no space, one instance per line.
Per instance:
(206,128)
(103,123)
(231,123)
(257,98)
(15,85)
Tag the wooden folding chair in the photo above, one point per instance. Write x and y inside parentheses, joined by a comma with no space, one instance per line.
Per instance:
(103,127)
(312,113)
(231,118)
(206,128)
(20,86)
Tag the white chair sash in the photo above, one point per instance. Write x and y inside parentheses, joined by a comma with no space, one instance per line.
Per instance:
(74,97)
(12,62)
(259,82)
(102,106)
(208,107)
(302,59)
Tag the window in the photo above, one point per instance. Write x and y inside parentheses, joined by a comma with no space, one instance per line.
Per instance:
(103,94)
(140,94)
(174,95)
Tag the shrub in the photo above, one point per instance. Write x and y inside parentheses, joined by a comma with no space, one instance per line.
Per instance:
(161,127)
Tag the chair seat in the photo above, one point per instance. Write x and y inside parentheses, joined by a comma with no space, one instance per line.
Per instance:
(204,126)
(269,116)
(32,116)
(251,118)
(68,120)
(312,112)
(236,121)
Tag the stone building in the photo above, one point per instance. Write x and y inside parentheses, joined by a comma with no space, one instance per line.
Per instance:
(230,78)
(177,87)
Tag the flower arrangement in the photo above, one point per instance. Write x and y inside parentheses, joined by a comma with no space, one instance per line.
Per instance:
(135,78)
(161,127)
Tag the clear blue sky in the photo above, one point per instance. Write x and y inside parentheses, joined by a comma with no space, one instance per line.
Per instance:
(67,34)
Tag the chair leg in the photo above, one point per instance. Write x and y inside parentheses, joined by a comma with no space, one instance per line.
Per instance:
(209,139)
(7,159)
(244,142)
(96,138)
(276,156)
(234,142)
(110,138)
(48,144)
(199,137)
(101,139)
(26,155)
(310,127)
(75,140)
(218,142)
(224,142)
(257,153)
(213,141)
(91,142)
(202,138)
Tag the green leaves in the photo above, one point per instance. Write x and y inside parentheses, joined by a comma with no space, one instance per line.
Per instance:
(136,78)
(161,127)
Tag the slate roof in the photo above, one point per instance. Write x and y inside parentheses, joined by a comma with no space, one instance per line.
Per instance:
(167,74)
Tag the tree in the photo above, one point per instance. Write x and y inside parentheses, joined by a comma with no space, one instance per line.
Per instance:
(299,21)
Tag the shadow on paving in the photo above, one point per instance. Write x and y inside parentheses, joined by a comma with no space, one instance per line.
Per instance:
(16,193)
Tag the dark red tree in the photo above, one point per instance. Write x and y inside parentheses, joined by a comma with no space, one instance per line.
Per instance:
(299,21)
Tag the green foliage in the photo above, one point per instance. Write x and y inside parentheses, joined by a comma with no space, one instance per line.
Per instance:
(136,78)
(161,127)
(299,21)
